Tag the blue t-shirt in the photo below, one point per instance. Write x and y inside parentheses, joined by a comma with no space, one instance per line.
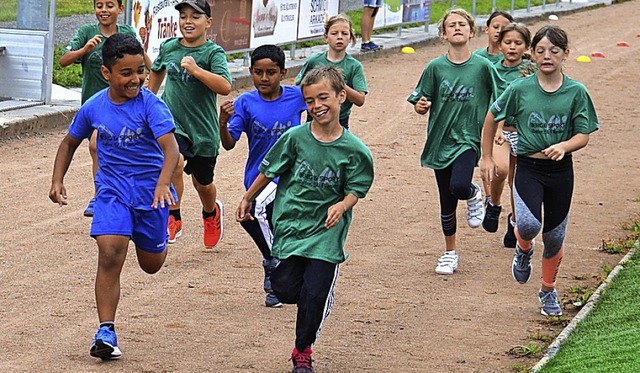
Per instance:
(264,122)
(129,155)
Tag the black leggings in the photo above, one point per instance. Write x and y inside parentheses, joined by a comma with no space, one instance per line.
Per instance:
(310,284)
(545,182)
(454,184)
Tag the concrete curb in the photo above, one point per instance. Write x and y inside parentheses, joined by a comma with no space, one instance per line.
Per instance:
(40,118)
(554,347)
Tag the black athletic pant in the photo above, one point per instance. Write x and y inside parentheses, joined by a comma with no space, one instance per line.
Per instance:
(454,184)
(310,284)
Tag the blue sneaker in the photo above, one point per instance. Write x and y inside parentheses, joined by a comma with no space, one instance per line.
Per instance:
(549,302)
(269,266)
(521,266)
(370,46)
(272,301)
(105,344)
(88,212)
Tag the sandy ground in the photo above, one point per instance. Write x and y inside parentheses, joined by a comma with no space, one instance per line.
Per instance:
(204,310)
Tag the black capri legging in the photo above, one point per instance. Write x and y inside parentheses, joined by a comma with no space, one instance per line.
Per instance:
(454,184)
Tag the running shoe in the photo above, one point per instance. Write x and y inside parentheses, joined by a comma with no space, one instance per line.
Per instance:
(272,301)
(174,228)
(88,212)
(491,217)
(105,344)
(521,266)
(475,208)
(370,46)
(510,239)
(302,360)
(213,228)
(549,302)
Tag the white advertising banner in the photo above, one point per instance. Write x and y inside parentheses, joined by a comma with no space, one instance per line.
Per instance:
(389,14)
(313,14)
(155,21)
(274,22)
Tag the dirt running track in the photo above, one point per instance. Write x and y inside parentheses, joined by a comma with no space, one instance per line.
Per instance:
(203,311)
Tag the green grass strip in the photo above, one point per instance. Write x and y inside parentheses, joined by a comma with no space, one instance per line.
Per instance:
(608,339)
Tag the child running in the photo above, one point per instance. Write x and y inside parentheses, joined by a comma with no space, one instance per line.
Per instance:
(324,170)
(138,154)
(86,48)
(515,40)
(264,115)
(496,21)
(457,88)
(338,32)
(554,116)
(197,72)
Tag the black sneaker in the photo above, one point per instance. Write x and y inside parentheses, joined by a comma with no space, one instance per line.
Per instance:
(510,239)
(491,217)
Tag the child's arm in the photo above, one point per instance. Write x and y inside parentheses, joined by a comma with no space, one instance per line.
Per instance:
(147,61)
(226,111)
(72,56)
(335,212)
(487,165)
(422,106)
(68,146)
(171,155)
(155,80)
(214,82)
(242,213)
(356,97)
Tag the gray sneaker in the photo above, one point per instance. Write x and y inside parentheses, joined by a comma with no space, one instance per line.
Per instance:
(521,266)
(549,302)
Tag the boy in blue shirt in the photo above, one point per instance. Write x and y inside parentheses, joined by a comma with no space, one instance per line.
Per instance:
(138,154)
(264,115)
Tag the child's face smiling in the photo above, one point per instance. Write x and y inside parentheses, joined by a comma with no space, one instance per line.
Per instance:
(193,25)
(125,78)
(266,76)
(323,102)
(107,11)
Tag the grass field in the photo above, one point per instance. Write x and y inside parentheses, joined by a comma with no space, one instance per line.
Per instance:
(608,339)
(8,8)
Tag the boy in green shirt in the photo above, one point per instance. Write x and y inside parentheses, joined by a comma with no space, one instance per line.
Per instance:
(197,72)
(324,170)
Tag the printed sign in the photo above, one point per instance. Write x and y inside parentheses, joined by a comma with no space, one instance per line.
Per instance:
(313,14)
(416,10)
(274,22)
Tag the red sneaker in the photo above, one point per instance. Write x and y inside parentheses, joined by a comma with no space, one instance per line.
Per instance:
(174,228)
(302,360)
(213,228)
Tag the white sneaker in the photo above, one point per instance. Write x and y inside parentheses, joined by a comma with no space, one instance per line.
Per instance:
(448,263)
(475,208)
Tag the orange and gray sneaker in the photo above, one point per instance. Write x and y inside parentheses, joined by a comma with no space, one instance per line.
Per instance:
(213,228)
(174,228)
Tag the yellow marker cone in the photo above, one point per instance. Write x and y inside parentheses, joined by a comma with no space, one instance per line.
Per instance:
(408,50)
(583,59)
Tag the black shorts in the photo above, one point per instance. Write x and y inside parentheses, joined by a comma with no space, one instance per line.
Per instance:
(201,168)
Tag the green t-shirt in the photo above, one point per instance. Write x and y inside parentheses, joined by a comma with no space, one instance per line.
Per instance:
(484,52)
(352,72)
(509,74)
(460,96)
(92,79)
(546,118)
(193,105)
(315,175)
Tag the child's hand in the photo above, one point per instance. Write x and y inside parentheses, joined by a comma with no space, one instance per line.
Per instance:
(189,64)
(58,194)
(162,194)
(499,139)
(334,214)
(422,106)
(242,213)
(555,152)
(226,111)
(93,43)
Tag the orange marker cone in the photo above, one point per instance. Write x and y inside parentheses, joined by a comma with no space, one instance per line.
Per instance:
(622,44)
(597,54)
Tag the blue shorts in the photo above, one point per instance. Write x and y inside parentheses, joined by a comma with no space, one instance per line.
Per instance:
(146,228)
(373,3)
